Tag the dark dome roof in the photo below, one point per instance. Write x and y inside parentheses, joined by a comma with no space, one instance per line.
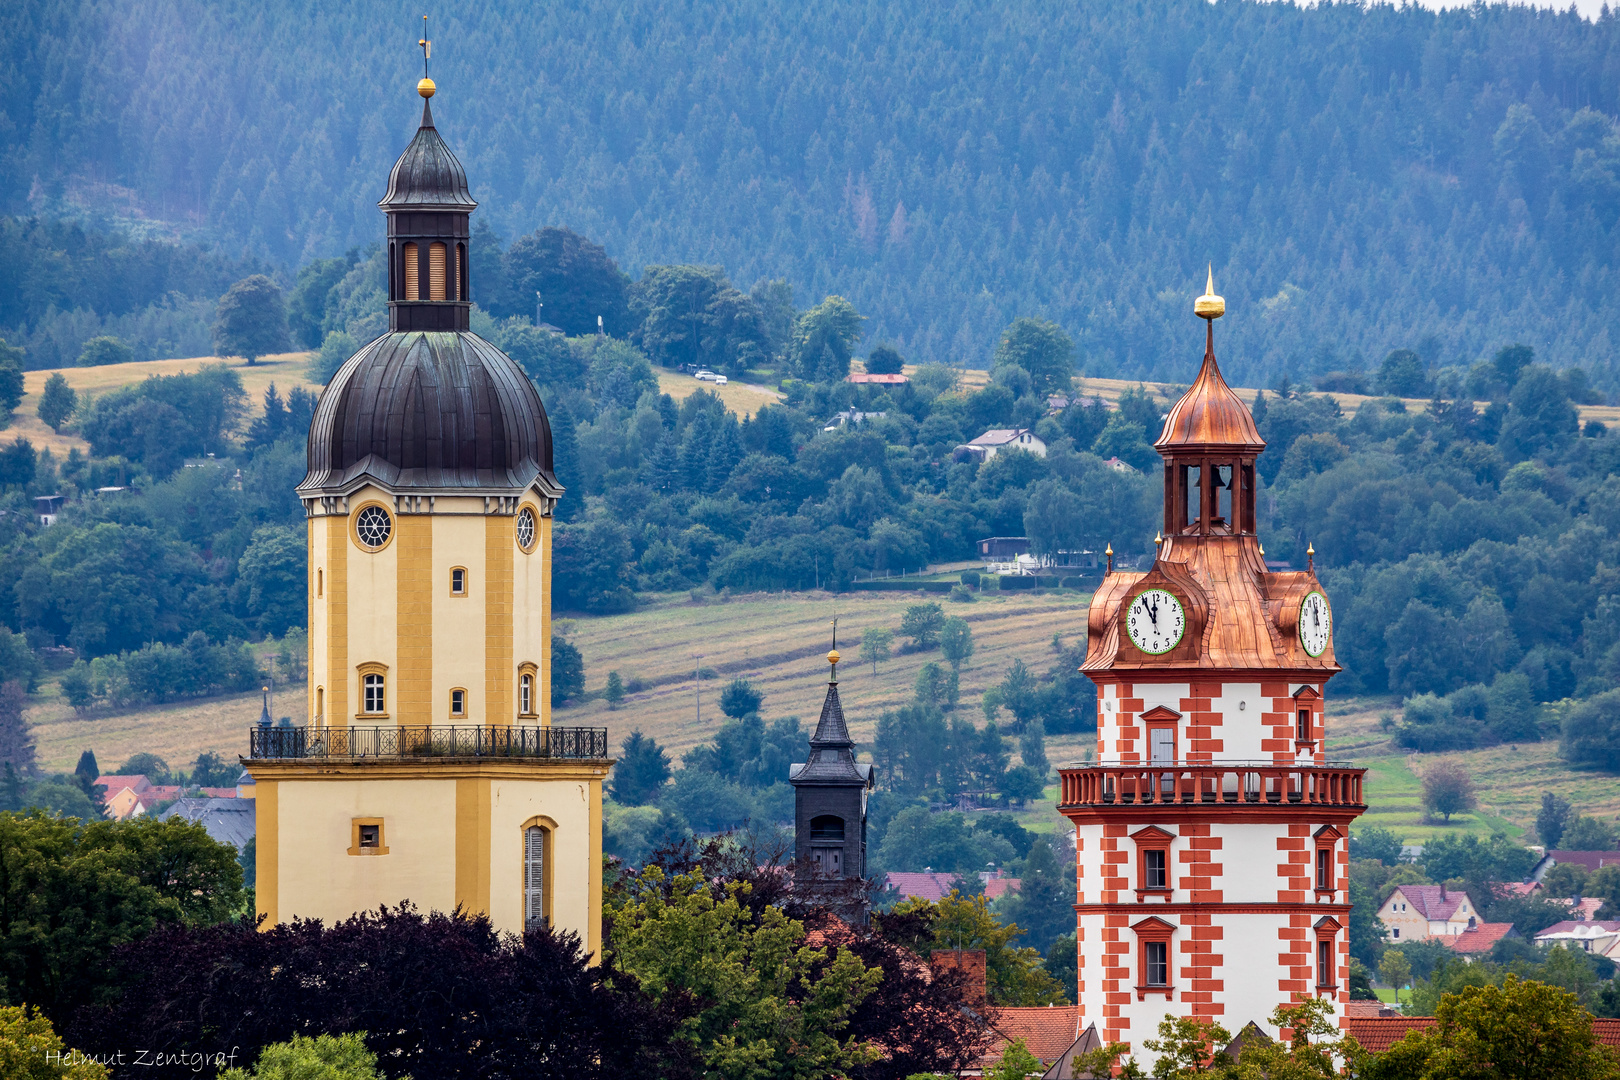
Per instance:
(427,175)
(430,411)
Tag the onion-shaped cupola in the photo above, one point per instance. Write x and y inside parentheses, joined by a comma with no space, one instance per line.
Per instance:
(428,208)
(429,406)
(1209,444)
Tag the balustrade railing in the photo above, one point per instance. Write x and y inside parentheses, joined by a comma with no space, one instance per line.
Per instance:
(1242,783)
(448,741)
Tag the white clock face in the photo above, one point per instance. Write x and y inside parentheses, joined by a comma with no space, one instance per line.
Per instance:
(1315,623)
(1156,621)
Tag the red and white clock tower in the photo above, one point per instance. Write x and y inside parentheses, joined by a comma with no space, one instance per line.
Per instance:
(1211,832)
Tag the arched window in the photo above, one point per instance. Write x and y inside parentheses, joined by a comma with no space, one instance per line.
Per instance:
(536,866)
(458,703)
(436,271)
(320,583)
(528,691)
(458,581)
(413,289)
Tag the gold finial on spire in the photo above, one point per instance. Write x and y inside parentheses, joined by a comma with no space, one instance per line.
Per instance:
(1209,306)
(1310,556)
(833,657)
(1110,554)
(1158,538)
(425,87)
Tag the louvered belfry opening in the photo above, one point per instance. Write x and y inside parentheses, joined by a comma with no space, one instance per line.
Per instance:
(428,207)
(413,278)
(436,271)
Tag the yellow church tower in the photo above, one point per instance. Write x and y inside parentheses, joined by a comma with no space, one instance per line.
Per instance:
(428,769)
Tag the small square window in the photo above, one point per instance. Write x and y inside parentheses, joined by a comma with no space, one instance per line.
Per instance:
(366,837)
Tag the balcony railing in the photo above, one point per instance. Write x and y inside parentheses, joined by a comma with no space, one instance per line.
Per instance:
(1239,783)
(447,741)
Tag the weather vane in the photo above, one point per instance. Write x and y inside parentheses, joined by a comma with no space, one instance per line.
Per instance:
(427,47)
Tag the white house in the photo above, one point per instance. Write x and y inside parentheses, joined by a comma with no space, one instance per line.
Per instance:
(1420,912)
(996,440)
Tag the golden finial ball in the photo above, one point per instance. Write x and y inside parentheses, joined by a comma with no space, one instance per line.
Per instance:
(1209,306)
(833,657)
(426,88)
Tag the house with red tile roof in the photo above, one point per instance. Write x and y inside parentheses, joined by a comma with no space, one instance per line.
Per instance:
(997,887)
(1478,940)
(927,885)
(1049,1032)
(1420,912)
(1378,1033)
(121,794)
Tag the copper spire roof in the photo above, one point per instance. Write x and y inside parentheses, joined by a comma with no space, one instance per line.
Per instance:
(427,175)
(1210,413)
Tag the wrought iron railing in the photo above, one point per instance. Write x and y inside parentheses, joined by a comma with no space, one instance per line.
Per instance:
(1241,783)
(446,741)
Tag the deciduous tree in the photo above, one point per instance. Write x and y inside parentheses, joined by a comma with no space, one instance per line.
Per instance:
(251,320)
(1447,789)
(57,402)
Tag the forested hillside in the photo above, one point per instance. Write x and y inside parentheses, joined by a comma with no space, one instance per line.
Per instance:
(1363,179)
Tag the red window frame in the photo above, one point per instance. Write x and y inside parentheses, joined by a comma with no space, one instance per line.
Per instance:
(1154,931)
(1305,723)
(1327,846)
(1327,944)
(1149,839)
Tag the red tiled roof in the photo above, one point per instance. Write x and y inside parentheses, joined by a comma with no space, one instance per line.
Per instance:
(1377,1034)
(1592,860)
(1001,886)
(1047,1030)
(1430,903)
(1367,1010)
(1519,888)
(218,792)
(920,886)
(1480,938)
(116,782)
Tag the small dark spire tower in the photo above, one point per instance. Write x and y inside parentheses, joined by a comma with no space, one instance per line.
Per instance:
(428,208)
(829,797)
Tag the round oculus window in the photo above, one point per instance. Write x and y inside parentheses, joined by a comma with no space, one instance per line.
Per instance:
(373,527)
(525,529)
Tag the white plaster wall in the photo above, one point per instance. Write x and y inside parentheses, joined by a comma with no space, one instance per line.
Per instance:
(1240,728)
(1250,946)
(318,878)
(1093,998)
(567,802)
(1250,856)
(1089,864)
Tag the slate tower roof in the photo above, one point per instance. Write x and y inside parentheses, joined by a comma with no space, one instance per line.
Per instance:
(429,406)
